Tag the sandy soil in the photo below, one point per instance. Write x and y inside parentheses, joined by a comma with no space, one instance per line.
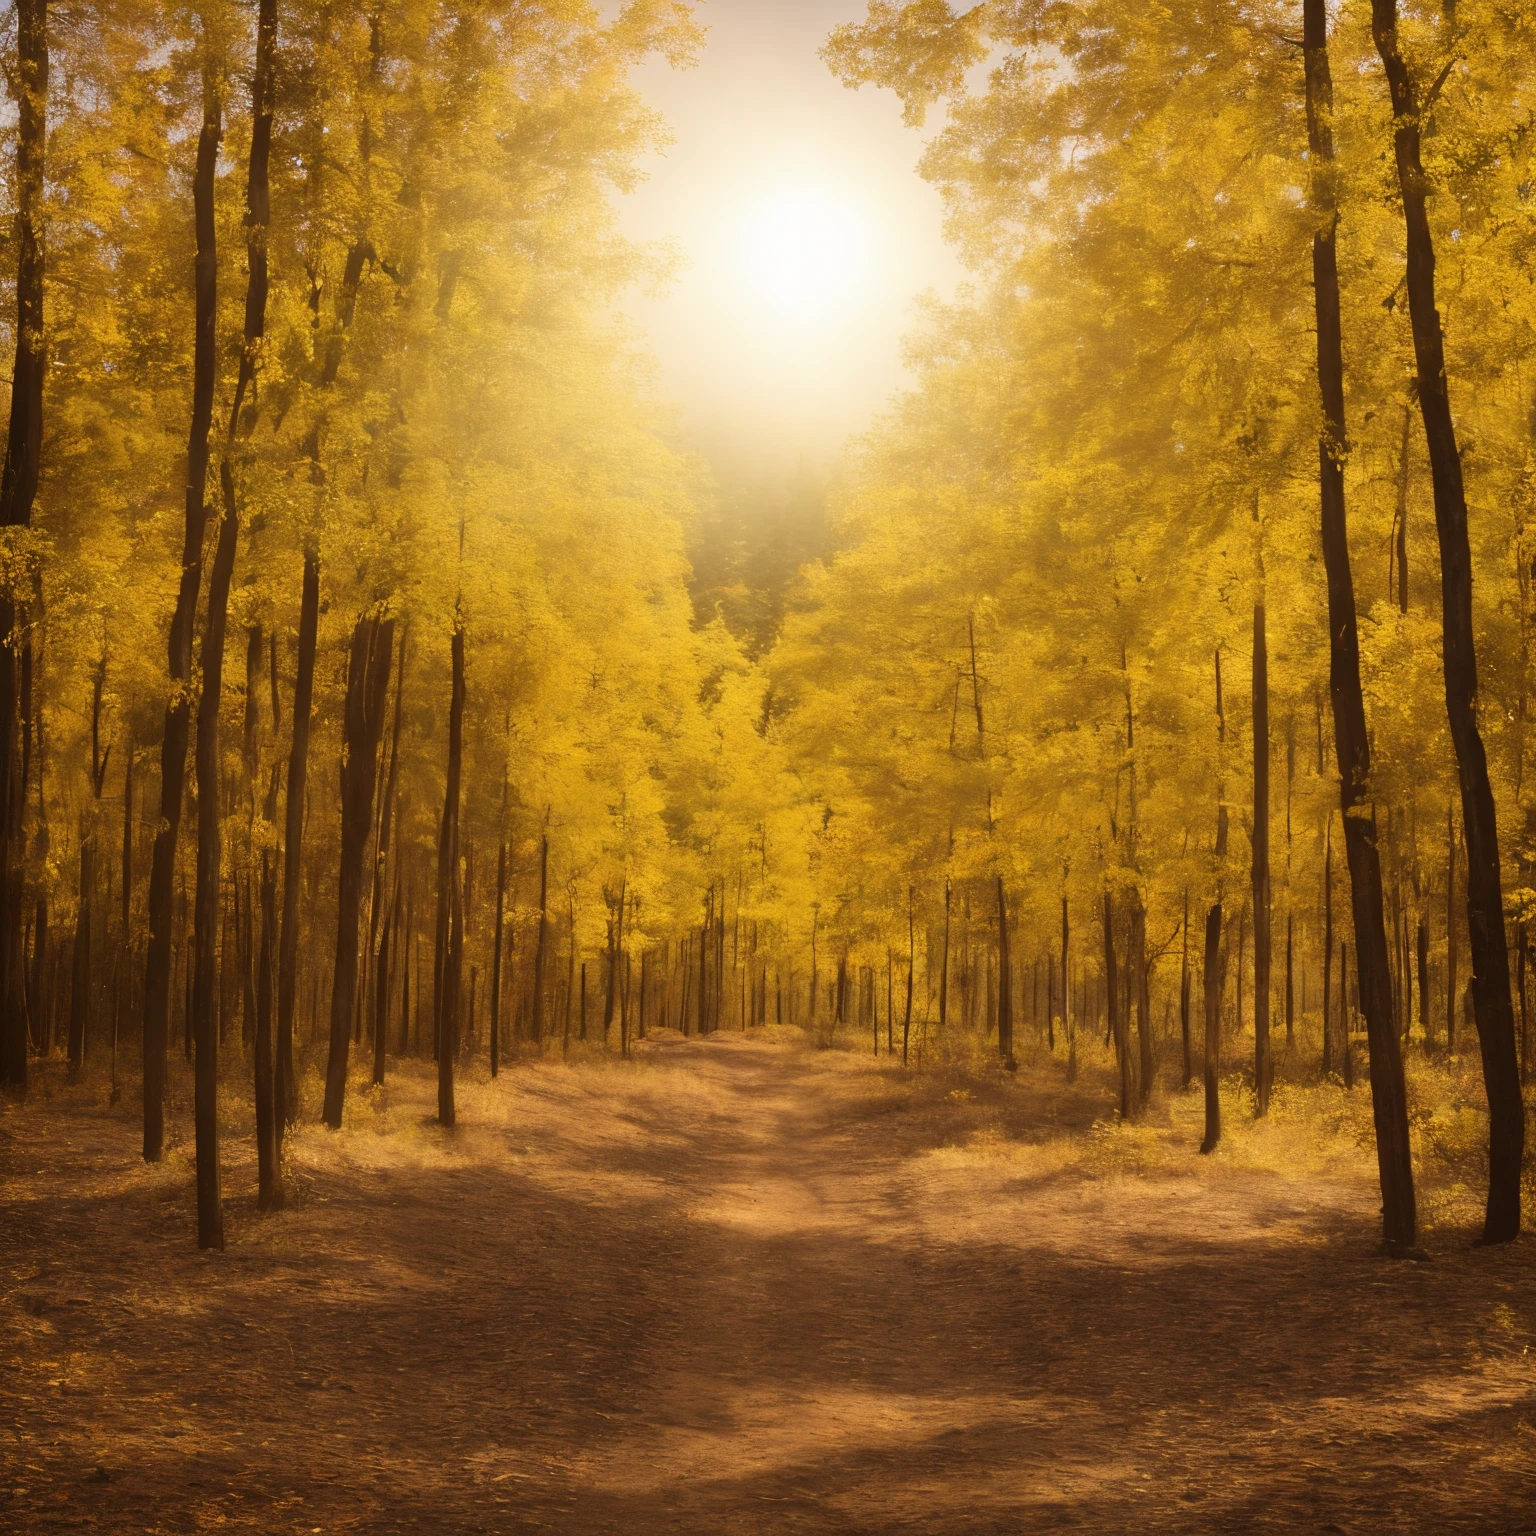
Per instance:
(742,1286)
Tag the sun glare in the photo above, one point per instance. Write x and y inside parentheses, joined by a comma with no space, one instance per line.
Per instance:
(805,250)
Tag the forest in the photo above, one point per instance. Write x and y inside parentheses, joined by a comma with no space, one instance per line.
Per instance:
(1101,807)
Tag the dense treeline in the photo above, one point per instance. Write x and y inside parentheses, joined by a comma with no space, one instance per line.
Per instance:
(1170,680)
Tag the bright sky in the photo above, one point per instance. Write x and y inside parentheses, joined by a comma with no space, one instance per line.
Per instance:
(804,229)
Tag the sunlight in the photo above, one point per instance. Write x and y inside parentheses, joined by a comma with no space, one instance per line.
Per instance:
(806,250)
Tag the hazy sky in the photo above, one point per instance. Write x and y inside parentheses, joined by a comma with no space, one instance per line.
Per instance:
(804,229)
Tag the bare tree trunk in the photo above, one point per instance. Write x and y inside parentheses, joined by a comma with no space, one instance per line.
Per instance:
(18,490)
(1262,1068)
(542,943)
(1212,1066)
(1351,742)
(293,848)
(1451,935)
(944,973)
(269,1175)
(1005,984)
(1485,904)
(906,1026)
(367,691)
(388,811)
(178,712)
(1328,948)
(1184,998)
(445,1006)
(205,911)
(497,942)
(1139,986)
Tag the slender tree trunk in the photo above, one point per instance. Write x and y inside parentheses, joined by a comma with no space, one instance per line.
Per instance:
(1116,1022)
(205,922)
(570,983)
(293,848)
(1261,909)
(1328,947)
(1184,1000)
(368,670)
(944,973)
(18,490)
(178,713)
(1139,986)
(1351,742)
(446,1001)
(82,988)
(541,944)
(269,1175)
(388,812)
(1451,934)
(1485,904)
(1005,984)
(501,908)
(1212,1065)
(906,1025)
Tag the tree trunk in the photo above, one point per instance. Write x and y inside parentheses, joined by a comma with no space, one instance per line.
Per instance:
(944,972)
(363,727)
(293,847)
(1112,995)
(269,1174)
(1005,984)
(178,713)
(388,811)
(1351,742)
(497,941)
(1184,1000)
(1212,1065)
(1485,904)
(1328,947)
(205,911)
(541,945)
(906,1026)
(1261,911)
(1139,988)
(445,1006)
(18,490)
(1451,935)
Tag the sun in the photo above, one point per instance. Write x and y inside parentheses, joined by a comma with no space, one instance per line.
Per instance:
(805,250)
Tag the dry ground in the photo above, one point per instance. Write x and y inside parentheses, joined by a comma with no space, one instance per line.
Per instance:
(744,1286)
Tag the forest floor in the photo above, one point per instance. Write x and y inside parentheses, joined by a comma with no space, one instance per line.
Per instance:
(742,1285)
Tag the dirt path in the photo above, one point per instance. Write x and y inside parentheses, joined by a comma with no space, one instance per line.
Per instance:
(740,1287)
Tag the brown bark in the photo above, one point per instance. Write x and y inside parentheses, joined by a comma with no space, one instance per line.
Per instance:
(1005,984)
(205,911)
(1184,999)
(541,944)
(1328,948)
(1351,742)
(1262,1067)
(178,713)
(1451,934)
(1139,989)
(367,693)
(1212,1065)
(18,490)
(293,847)
(498,940)
(906,1025)
(1116,1012)
(1492,1005)
(389,810)
(445,1003)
